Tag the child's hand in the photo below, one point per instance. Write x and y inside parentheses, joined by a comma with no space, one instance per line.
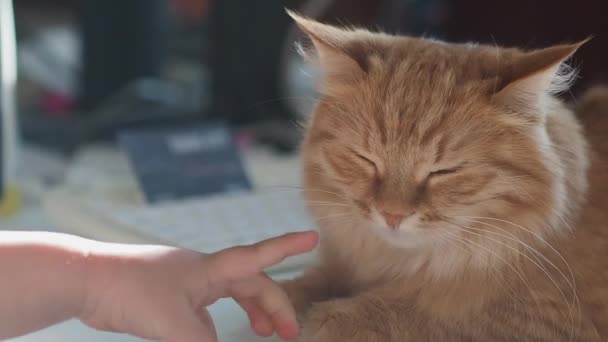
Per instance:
(161,293)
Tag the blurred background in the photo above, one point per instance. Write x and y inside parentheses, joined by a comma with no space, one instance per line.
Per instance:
(90,69)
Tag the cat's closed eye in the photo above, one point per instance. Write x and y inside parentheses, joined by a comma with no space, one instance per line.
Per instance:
(447,171)
(366,160)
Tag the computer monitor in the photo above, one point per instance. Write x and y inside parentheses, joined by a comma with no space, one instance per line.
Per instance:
(122,41)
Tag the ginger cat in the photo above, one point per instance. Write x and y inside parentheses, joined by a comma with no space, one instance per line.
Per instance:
(458,199)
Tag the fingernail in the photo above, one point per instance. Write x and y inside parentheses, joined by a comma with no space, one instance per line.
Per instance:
(288,329)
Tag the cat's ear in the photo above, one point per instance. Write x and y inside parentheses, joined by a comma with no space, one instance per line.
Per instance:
(335,48)
(536,74)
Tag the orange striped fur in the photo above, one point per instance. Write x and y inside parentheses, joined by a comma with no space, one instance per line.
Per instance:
(498,191)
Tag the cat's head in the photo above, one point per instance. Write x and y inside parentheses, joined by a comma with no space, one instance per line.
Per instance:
(421,138)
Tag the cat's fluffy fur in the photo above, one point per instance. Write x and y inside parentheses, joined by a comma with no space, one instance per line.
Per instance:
(500,192)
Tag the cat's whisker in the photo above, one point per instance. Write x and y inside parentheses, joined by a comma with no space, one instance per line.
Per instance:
(327,203)
(513,237)
(467,229)
(540,238)
(328,206)
(572,283)
(334,215)
(497,274)
(343,221)
(313,190)
(509,236)
(571,230)
(324,202)
(575,297)
(496,255)
(536,235)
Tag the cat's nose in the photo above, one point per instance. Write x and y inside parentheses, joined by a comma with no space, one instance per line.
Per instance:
(393,219)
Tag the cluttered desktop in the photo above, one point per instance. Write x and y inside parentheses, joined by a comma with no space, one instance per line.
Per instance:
(180,122)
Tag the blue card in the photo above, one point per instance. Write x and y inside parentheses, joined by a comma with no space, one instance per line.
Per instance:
(180,162)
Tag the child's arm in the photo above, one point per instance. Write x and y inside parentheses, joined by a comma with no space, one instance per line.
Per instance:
(42,280)
(154,292)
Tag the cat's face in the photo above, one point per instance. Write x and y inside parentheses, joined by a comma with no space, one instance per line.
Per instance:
(420,139)
(412,162)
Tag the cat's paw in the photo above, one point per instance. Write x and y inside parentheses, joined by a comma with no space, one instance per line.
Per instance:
(297,296)
(327,322)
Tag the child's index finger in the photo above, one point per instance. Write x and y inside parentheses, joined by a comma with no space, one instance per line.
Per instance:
(272,251)
(244,261)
